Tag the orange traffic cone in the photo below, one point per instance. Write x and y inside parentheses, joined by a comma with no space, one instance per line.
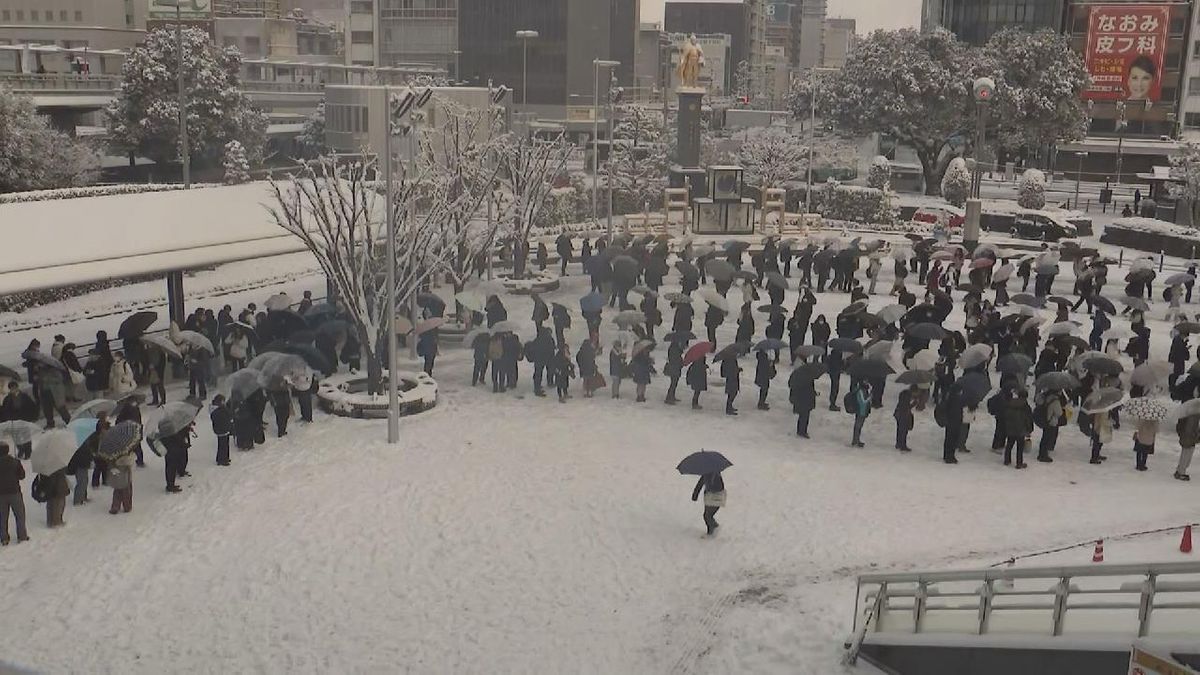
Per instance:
(1185,544)
(1098,554)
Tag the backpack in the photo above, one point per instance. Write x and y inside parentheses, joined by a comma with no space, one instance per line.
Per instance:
(37,490)
(849,402)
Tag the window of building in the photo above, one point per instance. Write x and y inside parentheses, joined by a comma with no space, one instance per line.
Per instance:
(62,15)
(362,37)
(253,45)
(6,15)
(362,7)
(1194,86)
(78,16)
(20,15)
(1191,120)
(49,15)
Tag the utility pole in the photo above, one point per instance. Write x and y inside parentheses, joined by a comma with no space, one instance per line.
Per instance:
(597,64)
(185,152)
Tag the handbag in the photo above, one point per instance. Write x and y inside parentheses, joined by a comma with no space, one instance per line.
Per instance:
(714,498)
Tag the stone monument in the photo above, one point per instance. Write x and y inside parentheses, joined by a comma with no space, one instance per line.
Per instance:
(686,170)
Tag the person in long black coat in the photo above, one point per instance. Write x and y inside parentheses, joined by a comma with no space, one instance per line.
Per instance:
(732,372)
(802,393)
(281,402)
(540,352)
(674,368)
(684,313)
(563,371)
(1178,357)
(222,425)
(649,307)
(745,325)
(495,311)
(565,251)
(562,321)
(785,258)
(697,380)
(764,372)
(905,403)
(176,446)
(712,318)
(641,369)
(820,331)
(834,362)
(952,405)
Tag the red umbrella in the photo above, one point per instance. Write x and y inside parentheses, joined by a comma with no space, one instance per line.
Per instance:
(697,352)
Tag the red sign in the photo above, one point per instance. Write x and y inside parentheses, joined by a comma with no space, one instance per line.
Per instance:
(1125,49)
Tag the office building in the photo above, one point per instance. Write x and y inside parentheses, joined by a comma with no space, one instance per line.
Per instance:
(714,17)
(812,33)
(838,42)
(783,30)
(559,69)
(716,75)
(653,60)
(975,21)
(362,48)
(73,24)
(419,31)
(624,26)
(356,116)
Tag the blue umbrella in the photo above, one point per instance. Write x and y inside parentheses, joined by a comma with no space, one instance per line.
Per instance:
(82,427)
(703,462)
(592,302)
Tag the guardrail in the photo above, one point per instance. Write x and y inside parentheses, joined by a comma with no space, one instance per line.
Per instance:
(74,82)
(1128,600)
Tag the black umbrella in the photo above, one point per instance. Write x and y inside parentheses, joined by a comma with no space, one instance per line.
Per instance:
(1028,300)
(810,371)
(719,270)
(772,309)
(137,324)
(845,345)
(43,358)
(923,313)
(1060,301)
(1072,342)
(334,329)
(687,270)
(312,356)
(916,377)
(1103,365)
(925,331)
(869,369)
(626,269)
(320,312)
(855,307)
(286,322)
(9,373)
(1014,363)
(975,387)
(703,462)
(1104,305)
(431,302)
(732,351)
(680,336)
(302,337)
(1056,380)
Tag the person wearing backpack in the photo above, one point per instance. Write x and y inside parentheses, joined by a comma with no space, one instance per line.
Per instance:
(11,499)
(1018,425)
(1050,414)
(858,403)
(903,414)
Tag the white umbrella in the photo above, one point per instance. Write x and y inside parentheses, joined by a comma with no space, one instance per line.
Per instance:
(429,324)
(713,298)
(94,407)
(1062,328)
(278,302)
(1003,272)
(52,451)
(163,343)
(471,300)
(20,430)
(975,355)
(1117,333)
(195,340)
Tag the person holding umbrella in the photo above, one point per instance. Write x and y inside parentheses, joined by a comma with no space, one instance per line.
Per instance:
(764,372)
(1143,442)
(176,446)
(641,367)
(616,367)
(1188,428)
(858,403)
(906,402)
(714,317)
(697,378)
(222,424)
(1050,414)
(586,360)
(708,466)
(732,372)
(951,406)
(802,393)
(674,367)
(18,405)
(12,499)
(1018,426)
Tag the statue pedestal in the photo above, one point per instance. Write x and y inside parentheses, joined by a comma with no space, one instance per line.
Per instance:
(686,170)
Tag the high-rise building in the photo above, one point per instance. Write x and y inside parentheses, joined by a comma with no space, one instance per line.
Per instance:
(839,41)
(653,59)
(559,69)
(783,30)
(94,24)
(362,44)
(731,17)
(975,21)
(812,33)
(624,25)
(418,31)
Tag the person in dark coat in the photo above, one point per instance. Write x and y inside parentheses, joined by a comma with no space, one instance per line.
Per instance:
(745,325)
(641,369)
(952,405)
(495,311)
(18,405)
(684,312)
(649,307)
(1178,356)
(281,402)
(222,425)
(540,352)
(565,251)
(802,393)
(427,349)
(785,259)
(764,372)
(80,465)
(834,364)
(714,498)
(1100,323)
(585,253)
(563,371)
(906,402)
(674,368)
(542,256)
(697,380)
(176,446)
(540,311)
(130,410)
(479,349)
(198,366)
(246,426)
(1018,425)
(820,331)
(562,321)
(860,397)
(495,352)
(12,498)
(731,371)
(57,489)
(712,318)
(996,408)
(513,352)
(585,358)
(304,399)
(616,367)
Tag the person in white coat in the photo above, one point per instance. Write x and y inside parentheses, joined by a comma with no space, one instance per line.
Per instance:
(120,377)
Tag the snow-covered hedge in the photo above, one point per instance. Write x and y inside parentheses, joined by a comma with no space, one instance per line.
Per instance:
(855,203)
(1153,236)
(879,174)
(1031,191)
(956,183)
(93,191)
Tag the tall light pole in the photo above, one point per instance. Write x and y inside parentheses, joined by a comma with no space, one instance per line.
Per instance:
(525,36)
(812,132)
(597,64)
(984,88)
(184,153)
(1078,173)
(458,66)
(1122,123)
(612,87)
(398,106)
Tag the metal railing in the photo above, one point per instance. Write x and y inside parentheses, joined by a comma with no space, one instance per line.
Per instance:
(59,82)
(1129,600)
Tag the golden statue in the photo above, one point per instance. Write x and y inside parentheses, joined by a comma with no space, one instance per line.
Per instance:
(690,60)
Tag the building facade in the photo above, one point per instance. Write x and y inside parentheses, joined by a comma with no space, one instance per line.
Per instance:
(716,75)
(840,35)
(419,31)
(731,18)
(653,59)
(73,24)
(975,21)
(812,34)
(624,26)
(783,30)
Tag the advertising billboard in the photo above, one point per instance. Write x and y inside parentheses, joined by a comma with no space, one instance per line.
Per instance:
(779,12)
(1125,49)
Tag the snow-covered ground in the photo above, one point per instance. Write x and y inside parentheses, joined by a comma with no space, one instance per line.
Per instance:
(507,533)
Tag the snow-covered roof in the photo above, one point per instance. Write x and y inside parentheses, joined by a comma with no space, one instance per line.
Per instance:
(71,241)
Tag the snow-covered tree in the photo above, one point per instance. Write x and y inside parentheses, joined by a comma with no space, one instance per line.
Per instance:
(530,167)
(639,158)
(1185,167)
(312,137)
(461,156)
(879,174)
(1039,85)
(1031,191)
(956,183)
(340,217)
(33,156)
(743,80)
(915,86)
(237,167)
(803,89)
(773,155)
(144,117)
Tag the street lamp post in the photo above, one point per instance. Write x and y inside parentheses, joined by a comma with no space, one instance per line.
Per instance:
(1078,174)
(812,133)
(458,66)
(525,36)
(984,88)
(398,106)
(1122,123)
(184,152)
(597,64)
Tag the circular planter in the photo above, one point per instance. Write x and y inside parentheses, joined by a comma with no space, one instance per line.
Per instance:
(346,395)
(534,282)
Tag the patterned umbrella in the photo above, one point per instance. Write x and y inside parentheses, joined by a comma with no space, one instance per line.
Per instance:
(1148,408)
(119,441)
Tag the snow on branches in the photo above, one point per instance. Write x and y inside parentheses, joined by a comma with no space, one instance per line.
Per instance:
(34,156)
(956,183)
(879,174)
(237,167)
(1185,166)
(639,158)
(1031,190)
(530,168)
(773,155)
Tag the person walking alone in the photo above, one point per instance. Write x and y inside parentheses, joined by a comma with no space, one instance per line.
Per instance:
(859,400)
(714,498)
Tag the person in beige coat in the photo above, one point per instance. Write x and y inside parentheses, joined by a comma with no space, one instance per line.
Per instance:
(1143,442)
(120,378)
(1188,429)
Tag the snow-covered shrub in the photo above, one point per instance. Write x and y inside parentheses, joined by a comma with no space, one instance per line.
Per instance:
(1148,208)
(879,174)
(956,184)
(237,167)
(1031,191)
(855,204)
(94,191)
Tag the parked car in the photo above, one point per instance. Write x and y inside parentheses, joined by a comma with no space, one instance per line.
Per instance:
(1042,227)
(945,215)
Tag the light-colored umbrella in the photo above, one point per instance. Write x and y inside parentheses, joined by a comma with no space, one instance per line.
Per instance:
(1141,264)
(926,359)
(278,302)
(20,430)
(1179,279)
(52,451)
(892,313)
(1003,272)
(974,355)
(195,340)
(176,417)
(243,384)
(259,362)
(471,300)
(1148,408)
(1188,409)
(1150,374)
(1103,400)
(429,324)
(880,351)
(1117,333)
(1056,380)
(1062,328)
(713,298)
(1135,303)
(95,407)
(163,343)
(289,370)
(629,317)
